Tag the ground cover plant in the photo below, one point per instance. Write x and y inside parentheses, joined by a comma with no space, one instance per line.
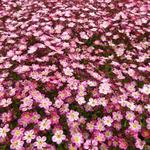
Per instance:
(74,75)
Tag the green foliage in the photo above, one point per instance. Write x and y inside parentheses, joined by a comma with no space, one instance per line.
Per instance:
(147,141)
(41,111)
(140,84)
(15,106)
(62,146)
(124,123)
(49,135)
(15,76)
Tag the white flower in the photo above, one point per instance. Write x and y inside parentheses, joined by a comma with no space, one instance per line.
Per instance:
(92,83)
(45,124)
(4,130)
(80,100)
(32,49)
(68,71)
(40,142)
(29,136)
(105,24)
(58,137)
(145,89)
(92,102)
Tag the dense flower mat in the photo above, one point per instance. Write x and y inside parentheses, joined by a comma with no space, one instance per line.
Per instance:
(74,74)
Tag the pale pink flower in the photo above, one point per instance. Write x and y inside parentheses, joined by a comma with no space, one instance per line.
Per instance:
(73,115)
(117,116)
(77,139)
(102,101)
(135,126)
(5,102)
(100,137)
(107,120)
(17,132)
(105,24)
(99,125)
(105,88)
(90,126)
(40,142)
(32,49)
(68,71)
(108,134)
(92,102)
(130,115)
(45,103)
(140,144)
(29,136)
(58,137)
(83,35)
(4,131)
(145,89)
(80,100)
(16,144)
(45,124)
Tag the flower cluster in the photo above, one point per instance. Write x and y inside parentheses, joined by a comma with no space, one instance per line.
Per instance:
(74,74)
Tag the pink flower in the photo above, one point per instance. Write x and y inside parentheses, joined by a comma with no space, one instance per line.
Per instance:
(100,137)
(45,103)
(4,131)
(140,144)
(90,126)
(130,115)
(29,136)
(17,132)
(5,102)
(68,71)
(99,125)
(135,126)
(25,119)
(145,89)
(77,139)
(40,142)
(105,88)
(16,144)
(80,100)
(107,120)
(32,49)
(83,35)
(6,117)
(123,144)
(35,117)
(73,115)
(93,102)
(117,116)
(45,124)
(58,137)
